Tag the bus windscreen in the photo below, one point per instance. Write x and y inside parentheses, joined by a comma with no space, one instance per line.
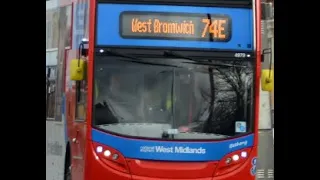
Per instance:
(153,95)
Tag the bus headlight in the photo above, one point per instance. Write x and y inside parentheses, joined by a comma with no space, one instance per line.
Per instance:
(228,160)
(232,161)
(110,157)
(107,153)
(99,149)
(115,156)
(244,154)
(235,157)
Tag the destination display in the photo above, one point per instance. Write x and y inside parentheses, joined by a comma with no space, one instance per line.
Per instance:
(175,26)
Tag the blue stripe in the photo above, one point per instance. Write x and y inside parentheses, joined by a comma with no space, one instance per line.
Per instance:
(108,27)
(135,148)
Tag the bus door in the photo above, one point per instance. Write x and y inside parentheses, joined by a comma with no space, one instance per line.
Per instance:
(76,97)
(78,130)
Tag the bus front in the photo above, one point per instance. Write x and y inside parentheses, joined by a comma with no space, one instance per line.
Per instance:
(173,91)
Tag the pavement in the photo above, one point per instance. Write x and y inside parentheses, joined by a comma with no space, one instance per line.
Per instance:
(265,162)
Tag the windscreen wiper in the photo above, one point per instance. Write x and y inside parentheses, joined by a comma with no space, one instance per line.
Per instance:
(200,62)
(177,55)
(107,106)
(134,59)
(118,54)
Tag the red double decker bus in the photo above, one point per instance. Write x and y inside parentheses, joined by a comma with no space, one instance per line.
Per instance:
(154,90)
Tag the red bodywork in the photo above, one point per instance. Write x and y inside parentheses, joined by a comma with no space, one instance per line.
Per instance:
(99,168)
(87,165)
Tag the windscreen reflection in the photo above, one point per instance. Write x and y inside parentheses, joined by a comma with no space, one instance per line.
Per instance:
(151,96)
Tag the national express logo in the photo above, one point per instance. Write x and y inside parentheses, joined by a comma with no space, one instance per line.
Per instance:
(175,149)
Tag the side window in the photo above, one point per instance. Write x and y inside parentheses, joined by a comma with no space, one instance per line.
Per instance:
(50,91)
(81,100)
(48,33)
(52,28)
(266,10)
